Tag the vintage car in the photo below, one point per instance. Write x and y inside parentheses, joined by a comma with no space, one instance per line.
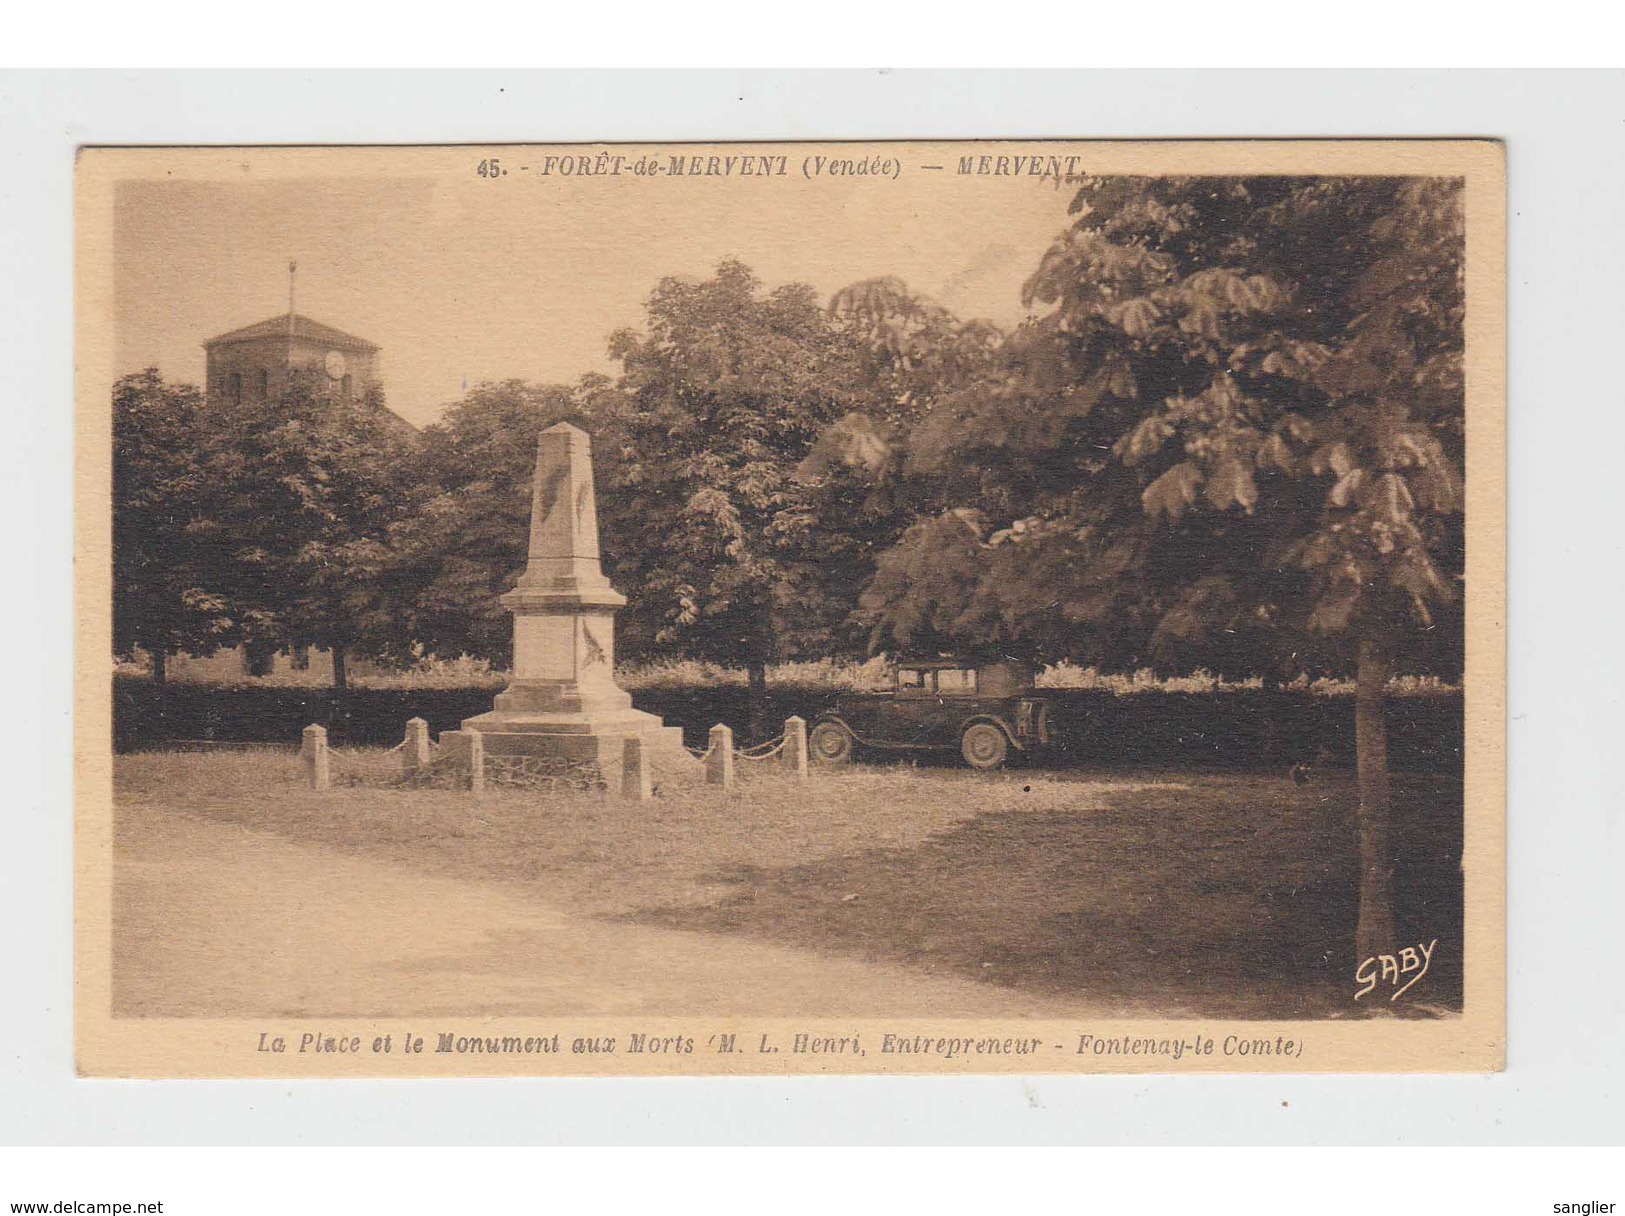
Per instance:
(985,710)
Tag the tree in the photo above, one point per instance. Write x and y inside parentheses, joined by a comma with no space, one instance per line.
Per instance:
(1008,470)
(914,349)
(165,597)
(309,488)
(1290,353)
(721,399)
(1235,438)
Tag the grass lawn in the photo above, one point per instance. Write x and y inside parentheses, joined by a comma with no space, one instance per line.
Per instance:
(1217,895)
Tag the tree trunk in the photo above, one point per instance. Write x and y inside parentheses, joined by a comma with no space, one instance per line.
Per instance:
(340,679)
(160,667)
(757,671)
(1374,931)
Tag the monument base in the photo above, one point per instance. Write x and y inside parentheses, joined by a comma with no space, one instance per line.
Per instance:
(562,721)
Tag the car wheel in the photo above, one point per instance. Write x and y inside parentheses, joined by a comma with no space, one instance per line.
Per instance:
(984,746)
(830,743)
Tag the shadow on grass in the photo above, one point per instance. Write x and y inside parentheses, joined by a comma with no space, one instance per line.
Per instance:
(1211,897)
(1170,893)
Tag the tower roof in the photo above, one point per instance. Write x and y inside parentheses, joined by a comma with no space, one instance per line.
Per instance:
(302,327)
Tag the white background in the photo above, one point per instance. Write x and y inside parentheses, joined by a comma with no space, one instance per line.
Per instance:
(1565,1083)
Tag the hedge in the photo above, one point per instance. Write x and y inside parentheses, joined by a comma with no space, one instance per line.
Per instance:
(1242,729)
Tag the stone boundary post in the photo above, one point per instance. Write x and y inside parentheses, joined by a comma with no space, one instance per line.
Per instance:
(637,783)
(476,761)
(313,751)
(415,755)
(794,755)
(719,761)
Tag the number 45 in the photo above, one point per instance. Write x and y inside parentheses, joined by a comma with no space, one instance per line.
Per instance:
(490,168)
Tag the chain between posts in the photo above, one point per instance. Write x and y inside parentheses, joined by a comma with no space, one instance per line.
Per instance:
(718,759)
(763,751)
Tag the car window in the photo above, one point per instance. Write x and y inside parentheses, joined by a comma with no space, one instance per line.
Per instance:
(908,677)
(951,679)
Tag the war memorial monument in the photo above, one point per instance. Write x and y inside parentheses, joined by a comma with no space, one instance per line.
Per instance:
(563,703)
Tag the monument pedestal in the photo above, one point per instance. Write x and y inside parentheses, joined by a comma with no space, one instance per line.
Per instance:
(552,721)
(563,704)
(569,741)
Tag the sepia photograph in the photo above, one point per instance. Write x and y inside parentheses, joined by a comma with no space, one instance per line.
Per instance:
(778,608)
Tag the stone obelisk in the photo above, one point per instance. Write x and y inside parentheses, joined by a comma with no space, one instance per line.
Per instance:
(563,702)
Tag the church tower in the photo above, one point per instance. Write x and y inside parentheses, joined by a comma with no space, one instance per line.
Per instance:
(256,363)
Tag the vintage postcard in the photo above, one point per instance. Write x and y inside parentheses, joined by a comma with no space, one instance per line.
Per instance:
(790,608)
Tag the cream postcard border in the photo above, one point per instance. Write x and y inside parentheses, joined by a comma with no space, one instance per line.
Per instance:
(1473,1041)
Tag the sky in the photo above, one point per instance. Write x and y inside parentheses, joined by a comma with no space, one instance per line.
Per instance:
(462,279)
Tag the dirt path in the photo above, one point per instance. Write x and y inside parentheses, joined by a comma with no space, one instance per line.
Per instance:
(216,920)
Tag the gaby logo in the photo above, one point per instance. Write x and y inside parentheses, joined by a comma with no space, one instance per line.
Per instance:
(1409,965)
